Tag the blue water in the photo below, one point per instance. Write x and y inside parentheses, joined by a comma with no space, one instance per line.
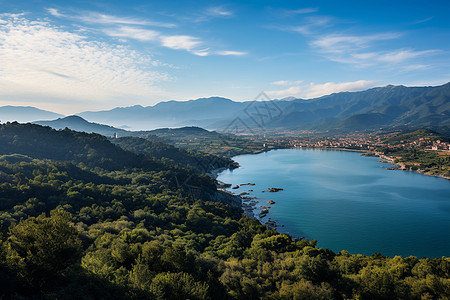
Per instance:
(347,201)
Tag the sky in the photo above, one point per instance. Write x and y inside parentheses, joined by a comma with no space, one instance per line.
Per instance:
(73,56)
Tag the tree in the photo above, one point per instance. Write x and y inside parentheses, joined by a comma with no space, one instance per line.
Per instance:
(178,286)
(42,248)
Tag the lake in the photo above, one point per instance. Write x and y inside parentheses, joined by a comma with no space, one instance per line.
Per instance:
(347,201)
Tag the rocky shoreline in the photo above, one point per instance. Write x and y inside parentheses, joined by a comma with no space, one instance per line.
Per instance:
(249,203)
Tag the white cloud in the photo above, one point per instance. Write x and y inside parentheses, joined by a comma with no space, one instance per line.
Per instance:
(131,28)
(54,12)
(312,90)
(287,82)
(415,67)
(402,55)
(353,49)
(42,61)
(98,18)
(227,52)
(203,52)
(219,11)
(133,33)
(336,43)
(309,25)
(178,42)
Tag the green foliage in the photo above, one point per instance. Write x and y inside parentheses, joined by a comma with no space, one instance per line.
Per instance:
(212,142)
(430,162)
(198,161)
(426,135)
(176,286)
(42,248)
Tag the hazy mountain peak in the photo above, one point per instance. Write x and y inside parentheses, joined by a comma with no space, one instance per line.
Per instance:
(24,114)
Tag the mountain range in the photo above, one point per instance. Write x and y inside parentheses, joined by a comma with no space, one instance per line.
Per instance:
(23,114)
(375,108)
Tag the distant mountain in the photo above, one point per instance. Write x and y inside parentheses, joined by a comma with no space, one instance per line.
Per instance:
(371,109)
(374,108)
(24,114)
(79,124)
(204,112)
(382,107)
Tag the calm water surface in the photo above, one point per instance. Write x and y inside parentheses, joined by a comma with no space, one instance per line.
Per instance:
(347,201)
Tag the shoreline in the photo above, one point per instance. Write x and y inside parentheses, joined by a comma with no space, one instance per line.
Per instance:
(401,166)
(249,209)
(382,157)
(248,206)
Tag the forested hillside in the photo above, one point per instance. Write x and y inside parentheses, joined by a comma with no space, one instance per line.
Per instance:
(199,161)
(81,218)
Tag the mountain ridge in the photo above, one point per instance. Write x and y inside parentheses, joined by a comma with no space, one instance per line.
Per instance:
(375,108)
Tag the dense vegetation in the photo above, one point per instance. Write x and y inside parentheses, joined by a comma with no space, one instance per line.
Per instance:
(81,218)
(199,161)
(212,142)
(429,162)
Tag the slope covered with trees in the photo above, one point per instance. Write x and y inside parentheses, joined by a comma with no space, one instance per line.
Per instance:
(198,161)
(75,228)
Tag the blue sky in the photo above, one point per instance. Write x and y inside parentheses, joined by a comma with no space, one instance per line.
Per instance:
(71,56)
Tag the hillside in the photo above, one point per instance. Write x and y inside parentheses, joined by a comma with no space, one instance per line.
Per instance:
(192,138)
(370,109)
(212,142)
(94,150)
(199,161)
(425,135)
(79,124)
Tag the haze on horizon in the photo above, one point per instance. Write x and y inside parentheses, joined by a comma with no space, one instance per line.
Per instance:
(74,56)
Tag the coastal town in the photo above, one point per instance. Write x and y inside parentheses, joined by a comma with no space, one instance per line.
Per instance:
(423,150)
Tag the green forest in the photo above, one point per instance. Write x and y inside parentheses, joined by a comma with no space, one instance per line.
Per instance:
(83,217)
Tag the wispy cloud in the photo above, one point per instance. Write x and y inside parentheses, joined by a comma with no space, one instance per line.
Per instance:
(402,55)
(337,43)
(301,11)
(209,13)
(43,61)
(233,53)
(98,18)
(359,49)
(54,12)
(133,33)
(184,42)
(132,28)
(423,20)
(309,26)
(287,82)
(415,67)
(313,90)
(218,11)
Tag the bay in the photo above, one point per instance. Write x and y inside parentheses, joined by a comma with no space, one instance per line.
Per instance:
(347,201)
